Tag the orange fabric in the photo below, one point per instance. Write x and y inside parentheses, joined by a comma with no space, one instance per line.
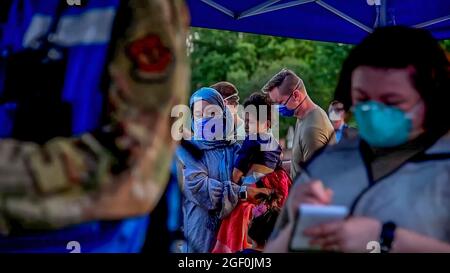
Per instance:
(232,236)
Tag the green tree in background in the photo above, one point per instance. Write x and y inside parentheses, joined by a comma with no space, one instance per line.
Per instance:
(446,45)
(249,61)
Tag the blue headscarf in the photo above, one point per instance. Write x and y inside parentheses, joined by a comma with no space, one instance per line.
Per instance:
(213,97)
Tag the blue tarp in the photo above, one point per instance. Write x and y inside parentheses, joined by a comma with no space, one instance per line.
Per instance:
(86,63)
(345,21)
(87,53)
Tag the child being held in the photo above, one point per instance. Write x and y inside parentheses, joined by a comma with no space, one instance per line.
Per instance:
(258,164)
(261,227)
(260,153)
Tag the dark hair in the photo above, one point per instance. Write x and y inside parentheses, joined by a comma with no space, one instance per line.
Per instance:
(227,89)
(400,47)
(335,104)
(286,81)
(258,99)
(261,227)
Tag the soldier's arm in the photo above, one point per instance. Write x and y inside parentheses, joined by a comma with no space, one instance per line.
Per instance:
(120,171)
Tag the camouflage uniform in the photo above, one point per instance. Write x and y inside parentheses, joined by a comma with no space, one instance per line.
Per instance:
(121,170)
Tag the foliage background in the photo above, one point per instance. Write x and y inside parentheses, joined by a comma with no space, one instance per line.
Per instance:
(249,61)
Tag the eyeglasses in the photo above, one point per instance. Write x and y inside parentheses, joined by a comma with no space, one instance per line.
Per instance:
(292,93)
(338,110)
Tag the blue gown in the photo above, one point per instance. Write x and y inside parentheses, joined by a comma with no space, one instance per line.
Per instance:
(209,194)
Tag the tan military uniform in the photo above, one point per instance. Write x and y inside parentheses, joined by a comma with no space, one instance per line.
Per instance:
(312,133)
(71,181)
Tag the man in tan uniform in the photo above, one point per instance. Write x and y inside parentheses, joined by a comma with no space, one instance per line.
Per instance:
(121,170)
(313,129)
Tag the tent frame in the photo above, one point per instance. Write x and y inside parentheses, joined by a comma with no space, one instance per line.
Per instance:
(271,5)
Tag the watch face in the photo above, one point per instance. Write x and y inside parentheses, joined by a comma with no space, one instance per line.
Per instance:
(243,194)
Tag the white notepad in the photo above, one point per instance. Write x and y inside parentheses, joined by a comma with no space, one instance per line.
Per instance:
(310,216)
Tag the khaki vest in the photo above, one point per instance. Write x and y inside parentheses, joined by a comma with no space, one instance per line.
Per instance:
(416,196)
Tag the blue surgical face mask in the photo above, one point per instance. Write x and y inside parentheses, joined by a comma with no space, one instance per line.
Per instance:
(383,126)
(205,128)
(284,110)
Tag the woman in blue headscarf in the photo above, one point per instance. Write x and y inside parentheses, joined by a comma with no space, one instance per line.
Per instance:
(206,163)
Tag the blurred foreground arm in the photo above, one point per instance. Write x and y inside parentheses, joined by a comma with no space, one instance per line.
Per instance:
(122,170)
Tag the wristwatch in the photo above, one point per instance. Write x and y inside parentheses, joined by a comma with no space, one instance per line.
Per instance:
(387,236)
(243,193)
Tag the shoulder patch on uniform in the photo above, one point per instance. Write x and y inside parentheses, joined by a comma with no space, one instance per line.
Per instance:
(152,60)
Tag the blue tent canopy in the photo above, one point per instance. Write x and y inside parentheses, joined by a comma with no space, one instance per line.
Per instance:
(345,21)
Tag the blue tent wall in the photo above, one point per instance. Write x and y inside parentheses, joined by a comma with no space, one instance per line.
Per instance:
(314,20)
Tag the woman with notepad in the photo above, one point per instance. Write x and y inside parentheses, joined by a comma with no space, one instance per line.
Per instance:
(395,179)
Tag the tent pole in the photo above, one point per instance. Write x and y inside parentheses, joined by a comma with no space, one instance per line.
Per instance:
(344,16)
(270,8)
(383,13)
(257,10)
(432,22)
(219,7)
